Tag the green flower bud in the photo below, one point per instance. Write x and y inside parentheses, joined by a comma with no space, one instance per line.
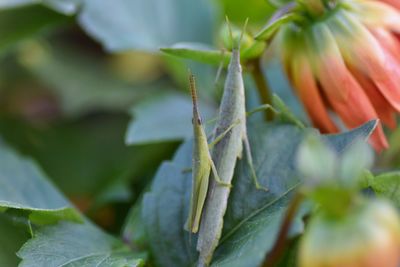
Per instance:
(367,236)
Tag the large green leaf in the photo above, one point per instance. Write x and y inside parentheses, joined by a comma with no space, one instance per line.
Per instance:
(12,236)
(253,216)
(36,19)
(165,118)
(63,6)
(69,244)
(81,168)
(147,25)
(25,187)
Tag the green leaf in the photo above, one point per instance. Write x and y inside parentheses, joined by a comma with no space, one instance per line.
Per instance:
(36,19)
(25,187)
(84,245)
(272,27)
(387,185)
(83,141)
(147,25)
(165,118)
(198,52)
(134,229)
(12,236)
(67,7)
(253,217)
(205,54)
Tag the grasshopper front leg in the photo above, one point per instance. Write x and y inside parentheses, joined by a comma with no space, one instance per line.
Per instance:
(216,176)
(251,165)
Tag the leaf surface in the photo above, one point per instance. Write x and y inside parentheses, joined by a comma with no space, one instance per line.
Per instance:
(68,244)
(147,25)
(23,186)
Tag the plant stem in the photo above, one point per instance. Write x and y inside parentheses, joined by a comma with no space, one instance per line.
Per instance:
(262,86)
(277,250)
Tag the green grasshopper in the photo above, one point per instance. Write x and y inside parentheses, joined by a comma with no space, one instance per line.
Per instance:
(202,165)
(225,154)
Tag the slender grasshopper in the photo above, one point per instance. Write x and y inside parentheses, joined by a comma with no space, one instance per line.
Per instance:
(202,165)
(225,154)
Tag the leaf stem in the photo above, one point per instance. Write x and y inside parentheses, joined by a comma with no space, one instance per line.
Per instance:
(262,86)
(274,256)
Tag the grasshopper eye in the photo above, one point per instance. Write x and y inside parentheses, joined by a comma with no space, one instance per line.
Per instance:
(199,121)
(192,120)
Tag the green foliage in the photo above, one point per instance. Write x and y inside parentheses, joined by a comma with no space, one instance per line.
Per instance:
(92,87)
(36,20)
(14,234)
(147,25)
(198,52)
(26,188)
(387,185)
(95,249)
(64,6)
(151,122)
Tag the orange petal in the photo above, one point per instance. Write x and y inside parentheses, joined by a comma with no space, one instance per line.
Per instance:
(361,49)
(377,14)
(388,41)
(395,3)
(358,110)
(385,112)
(309,94)
(330,67)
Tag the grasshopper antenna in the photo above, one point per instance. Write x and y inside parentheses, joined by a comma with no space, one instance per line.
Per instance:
(193,92)
(220,67)
(236,45)
(230,31)
(243,31)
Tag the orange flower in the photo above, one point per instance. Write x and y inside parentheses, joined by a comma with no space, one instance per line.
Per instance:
(345,59)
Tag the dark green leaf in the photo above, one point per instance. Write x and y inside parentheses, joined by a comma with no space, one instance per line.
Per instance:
(36,19)
(134,232)
(12,236)
(147,25)
(253,216)
(165,118)
(81,168)
(63,6)
(84,245)
(25,187)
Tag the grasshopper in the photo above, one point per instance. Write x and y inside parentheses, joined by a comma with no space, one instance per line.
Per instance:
(224,155)
(202,165)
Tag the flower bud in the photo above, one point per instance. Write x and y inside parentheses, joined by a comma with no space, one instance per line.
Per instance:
(368,236)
